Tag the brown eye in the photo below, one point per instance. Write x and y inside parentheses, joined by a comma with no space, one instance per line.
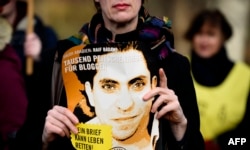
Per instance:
(109,87)
(138,85)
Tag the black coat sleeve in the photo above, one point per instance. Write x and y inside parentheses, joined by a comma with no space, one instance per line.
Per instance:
(177,70)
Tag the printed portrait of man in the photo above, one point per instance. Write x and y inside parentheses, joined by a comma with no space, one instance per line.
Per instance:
(115,92)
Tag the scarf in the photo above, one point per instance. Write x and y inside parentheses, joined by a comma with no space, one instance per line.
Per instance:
(152,30)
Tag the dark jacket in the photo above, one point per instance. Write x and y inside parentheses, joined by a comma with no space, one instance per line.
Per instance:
(175,66)
(13,99)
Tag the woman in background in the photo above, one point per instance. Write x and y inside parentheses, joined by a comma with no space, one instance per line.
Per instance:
(222,86)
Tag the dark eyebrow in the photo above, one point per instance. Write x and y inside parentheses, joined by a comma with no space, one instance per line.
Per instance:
(137,78)
(103,81)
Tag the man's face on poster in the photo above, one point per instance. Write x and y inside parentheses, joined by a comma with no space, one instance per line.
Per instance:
(118,90)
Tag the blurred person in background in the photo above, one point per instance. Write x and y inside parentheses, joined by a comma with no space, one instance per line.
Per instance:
(13,99)
(34,44)
(222,86)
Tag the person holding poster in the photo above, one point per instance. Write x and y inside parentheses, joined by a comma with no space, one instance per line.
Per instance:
(98,86)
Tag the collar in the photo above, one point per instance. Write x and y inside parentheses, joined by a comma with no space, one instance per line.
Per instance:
(153,31)
(98,33)
(211,71)
(149,28)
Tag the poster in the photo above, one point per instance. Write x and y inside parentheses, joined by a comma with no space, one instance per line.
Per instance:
(105,85)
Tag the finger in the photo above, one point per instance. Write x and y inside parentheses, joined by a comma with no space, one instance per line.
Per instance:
(67,113)
(66,121)
(63,129)
(163,78)
(49,133)
(159,102)
(52,130)
(157,91)
(166,111)
(66,117)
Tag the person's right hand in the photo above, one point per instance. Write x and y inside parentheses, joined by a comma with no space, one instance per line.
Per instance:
(33,46)
(59,121)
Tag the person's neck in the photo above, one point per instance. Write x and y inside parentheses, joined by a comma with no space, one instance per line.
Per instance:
(120,28)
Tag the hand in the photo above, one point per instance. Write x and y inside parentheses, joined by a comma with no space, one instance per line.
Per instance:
(168,106)
(32,46)
(59,121)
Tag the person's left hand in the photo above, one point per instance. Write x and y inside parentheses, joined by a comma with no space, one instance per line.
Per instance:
(167,105)
(32,46)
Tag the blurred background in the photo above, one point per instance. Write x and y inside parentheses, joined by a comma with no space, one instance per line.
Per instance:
(67,17)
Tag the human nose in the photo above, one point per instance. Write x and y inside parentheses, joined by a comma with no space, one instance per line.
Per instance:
(125,101)
(204,38)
